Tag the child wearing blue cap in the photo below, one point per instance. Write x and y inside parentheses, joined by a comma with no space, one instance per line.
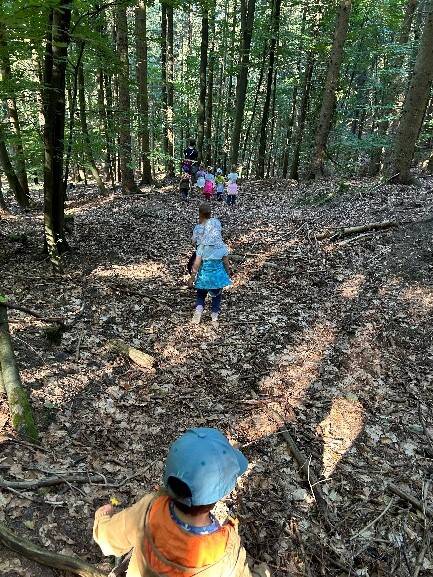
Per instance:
(173,533)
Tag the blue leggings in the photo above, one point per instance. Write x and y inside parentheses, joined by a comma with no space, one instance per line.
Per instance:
(216,295)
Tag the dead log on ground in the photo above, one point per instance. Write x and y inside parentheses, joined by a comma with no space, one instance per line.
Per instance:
(18,400)
(333,233)
(17,307)
(138,357)
(50,481)
(43,557)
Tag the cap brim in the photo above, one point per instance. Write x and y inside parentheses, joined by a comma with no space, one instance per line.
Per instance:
(242,461)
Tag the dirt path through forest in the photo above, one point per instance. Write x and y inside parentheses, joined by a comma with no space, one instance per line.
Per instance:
(335,336)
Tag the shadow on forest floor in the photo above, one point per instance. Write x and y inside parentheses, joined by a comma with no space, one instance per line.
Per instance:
(337,338)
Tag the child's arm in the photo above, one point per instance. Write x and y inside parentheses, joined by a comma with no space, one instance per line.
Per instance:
(116,534)
(194,271)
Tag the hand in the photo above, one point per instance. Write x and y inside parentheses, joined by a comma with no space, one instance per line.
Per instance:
(190,282)
(105,510)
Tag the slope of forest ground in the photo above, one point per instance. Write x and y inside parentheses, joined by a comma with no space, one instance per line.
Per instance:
(335,336)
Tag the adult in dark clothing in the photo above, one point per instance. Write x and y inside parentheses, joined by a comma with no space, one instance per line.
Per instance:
(190,159)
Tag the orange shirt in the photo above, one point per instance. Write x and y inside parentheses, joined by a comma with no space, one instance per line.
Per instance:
(178,545)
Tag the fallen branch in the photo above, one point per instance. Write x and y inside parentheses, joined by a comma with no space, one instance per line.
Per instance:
(305,468)
(50,481)
(333,233)
(410,499)
(141,359)
(391,502)
(17,307)
(44,557)
(18,400)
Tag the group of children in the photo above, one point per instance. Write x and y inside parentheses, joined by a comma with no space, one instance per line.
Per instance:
(210,184)
(172,533)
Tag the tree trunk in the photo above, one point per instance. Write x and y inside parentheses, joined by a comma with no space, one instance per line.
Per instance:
(170,90)
(125,147)
(275,24)
(142,94)
(202,97)
(12,178)
(210,88)
(414,107)
(229,112)
(247,25)
(17,147)
(329,96)
(54,130)
(19,405)
(85,132)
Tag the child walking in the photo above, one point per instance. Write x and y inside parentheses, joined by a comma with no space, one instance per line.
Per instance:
(201,173)
(219,184)
(232,186)
(173,532)
(209,184)
(185,185)
(210,272)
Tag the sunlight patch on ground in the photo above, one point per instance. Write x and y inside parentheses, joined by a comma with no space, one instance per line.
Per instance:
(339,430)
(136,271)
(420,297)
(351,287)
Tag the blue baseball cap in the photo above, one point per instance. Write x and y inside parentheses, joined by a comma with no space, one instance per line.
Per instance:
(206,462)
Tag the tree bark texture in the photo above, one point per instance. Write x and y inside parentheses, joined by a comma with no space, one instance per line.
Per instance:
(11,176)
(329,95)
(19,404)
(201,115)
(125,148)
(275,23)
(143,93)
(247,23)
(54,130)
(414,106)
(17,146)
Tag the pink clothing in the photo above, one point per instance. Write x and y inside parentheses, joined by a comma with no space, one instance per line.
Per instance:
(209,187)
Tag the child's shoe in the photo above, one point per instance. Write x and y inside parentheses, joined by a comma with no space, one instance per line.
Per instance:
(196,317)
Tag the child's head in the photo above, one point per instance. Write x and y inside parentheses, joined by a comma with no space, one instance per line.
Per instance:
(210,168)
(202,468)
(192,142)
(234,168)
(219,171)
(204,212)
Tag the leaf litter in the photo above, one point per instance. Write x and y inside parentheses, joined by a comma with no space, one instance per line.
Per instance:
(334,337)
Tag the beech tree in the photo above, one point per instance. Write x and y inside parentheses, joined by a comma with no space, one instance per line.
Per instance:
(415,105)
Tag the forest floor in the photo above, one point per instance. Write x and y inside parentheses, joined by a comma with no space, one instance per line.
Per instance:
(334,336)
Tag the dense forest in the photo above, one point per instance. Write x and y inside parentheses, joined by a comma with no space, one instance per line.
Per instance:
(320,366)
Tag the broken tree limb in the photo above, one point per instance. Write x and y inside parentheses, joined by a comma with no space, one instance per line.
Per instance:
(50,481)
(304,466)
(347,231)
(17,307)
(42,556)
(18,400)
(138,357)
(410,499)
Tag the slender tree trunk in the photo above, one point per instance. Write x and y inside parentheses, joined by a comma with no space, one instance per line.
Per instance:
(142,94)
(246,138)
(2,203)
(414,107)
(210,88)
(54,130)
(247,23)
(170,89)
(85,132)
(272,130)
(17,147)
(164,82)
(125,147)
(275,19)
(11,176)
(229,116)
(289,132)
(201,116)
(302,116)
(329,96)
